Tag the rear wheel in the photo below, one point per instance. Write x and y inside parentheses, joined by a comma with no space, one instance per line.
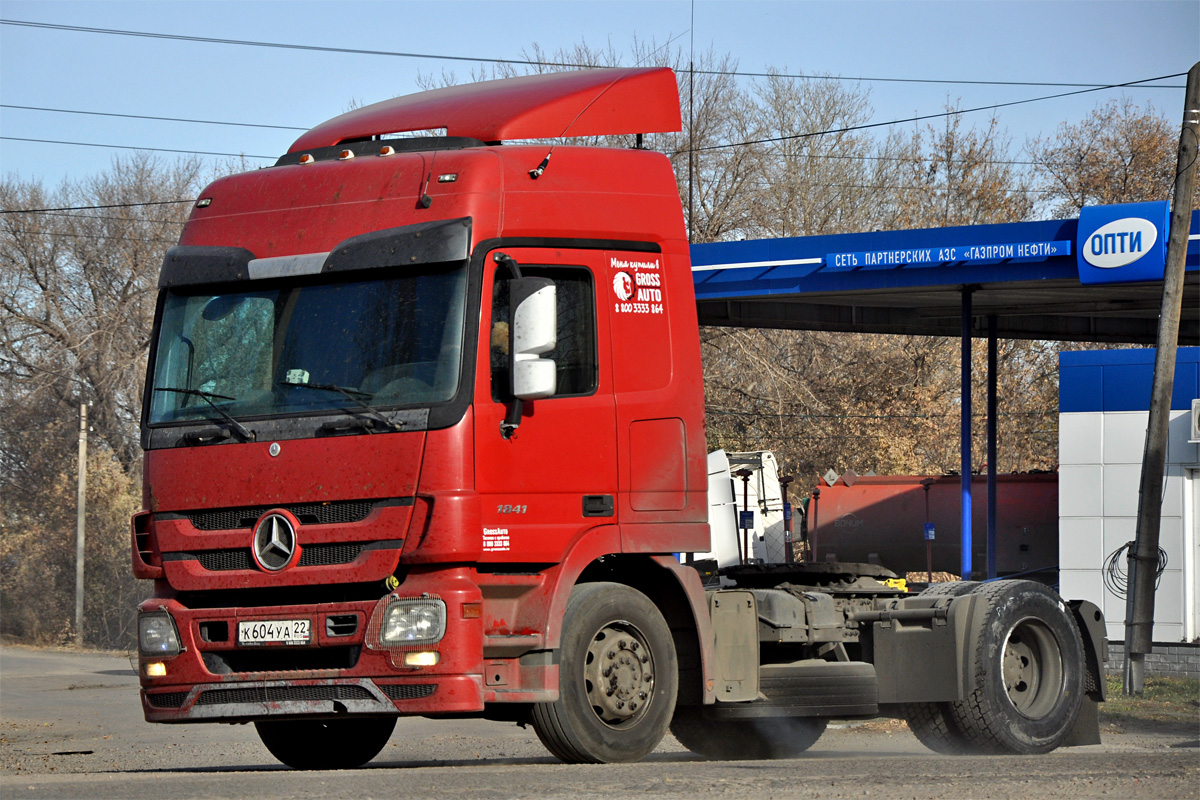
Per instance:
(325,743)
(935,727)
(1028,677)
(932,723)
(618,678)
(742,740)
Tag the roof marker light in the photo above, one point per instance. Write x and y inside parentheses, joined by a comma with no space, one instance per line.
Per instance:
(307,158)
(449,177)
(345,155)
(387,150)
(204,202)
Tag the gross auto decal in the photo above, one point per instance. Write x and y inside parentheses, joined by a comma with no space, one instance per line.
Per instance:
(637,286)
(495,540)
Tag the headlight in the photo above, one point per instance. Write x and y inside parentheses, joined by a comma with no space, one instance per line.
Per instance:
(415,621)
(157,635)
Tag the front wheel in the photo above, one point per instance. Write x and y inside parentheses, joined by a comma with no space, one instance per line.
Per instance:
(743,740)
(325,743)
(617,679)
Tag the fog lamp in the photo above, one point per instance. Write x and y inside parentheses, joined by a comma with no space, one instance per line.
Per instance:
(422,658)
(157,635)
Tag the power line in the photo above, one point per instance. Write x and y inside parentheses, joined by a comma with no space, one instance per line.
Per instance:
(522,61)
(94,237)
(105,218)
(922,117)
(948,415)
(906,187)
(132,147)
(92,208)
(293,128)
(156,119)
(1008,162)
(908,159)
(902,159)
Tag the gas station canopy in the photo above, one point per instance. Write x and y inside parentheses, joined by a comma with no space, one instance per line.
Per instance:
(1093,279)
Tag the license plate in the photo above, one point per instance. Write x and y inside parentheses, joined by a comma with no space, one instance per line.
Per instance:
(275,631)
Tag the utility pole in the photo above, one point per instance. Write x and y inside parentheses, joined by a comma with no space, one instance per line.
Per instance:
(80,508)
(1143,556)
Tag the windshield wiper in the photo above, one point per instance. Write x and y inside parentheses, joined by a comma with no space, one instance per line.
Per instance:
(355,396)
(207,397)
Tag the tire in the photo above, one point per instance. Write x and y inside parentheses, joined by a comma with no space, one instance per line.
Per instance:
(744,740)
(935,727)
(325,743)
(617,678)
(1028,677)
(933,723)
(949,589)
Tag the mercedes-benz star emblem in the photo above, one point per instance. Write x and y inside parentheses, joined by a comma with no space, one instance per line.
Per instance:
(274,542)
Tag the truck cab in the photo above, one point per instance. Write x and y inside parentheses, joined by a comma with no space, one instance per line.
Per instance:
(349,509)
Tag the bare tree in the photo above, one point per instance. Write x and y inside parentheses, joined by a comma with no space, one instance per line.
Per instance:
(77,289)
(78,271)
(962,177)
(813,176)
(1119,153)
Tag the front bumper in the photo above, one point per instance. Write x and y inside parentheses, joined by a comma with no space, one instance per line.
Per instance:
(214,678)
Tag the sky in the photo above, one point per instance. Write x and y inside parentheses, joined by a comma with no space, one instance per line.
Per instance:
(936,49)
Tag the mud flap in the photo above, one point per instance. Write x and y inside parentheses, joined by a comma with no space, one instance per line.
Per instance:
(1087,725)
(734,615)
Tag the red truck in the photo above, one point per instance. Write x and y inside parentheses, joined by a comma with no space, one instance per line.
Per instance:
(424,435)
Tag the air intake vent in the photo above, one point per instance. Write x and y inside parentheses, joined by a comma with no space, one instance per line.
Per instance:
(167,699)
(313,555)
(283,694)
(407,691)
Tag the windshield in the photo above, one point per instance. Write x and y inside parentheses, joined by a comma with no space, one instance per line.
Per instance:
(292,349)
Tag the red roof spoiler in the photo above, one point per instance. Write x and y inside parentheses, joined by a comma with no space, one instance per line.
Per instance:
(581,103)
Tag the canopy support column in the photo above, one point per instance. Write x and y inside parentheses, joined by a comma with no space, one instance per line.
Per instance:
(965,432)
(992,378)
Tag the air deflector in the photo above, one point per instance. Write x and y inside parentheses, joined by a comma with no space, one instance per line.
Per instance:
(592,102)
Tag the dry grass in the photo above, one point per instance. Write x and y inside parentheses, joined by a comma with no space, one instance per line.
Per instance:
(1166,700)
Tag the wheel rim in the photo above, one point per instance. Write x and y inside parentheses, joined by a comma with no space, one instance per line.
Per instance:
(619,675)
(1032,668)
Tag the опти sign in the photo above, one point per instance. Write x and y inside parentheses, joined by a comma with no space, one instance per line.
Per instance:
(1122,243)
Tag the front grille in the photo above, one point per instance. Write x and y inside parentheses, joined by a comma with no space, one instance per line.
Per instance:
(313,555)
(228,519)
(283,694)
(167,699)
(324,555)
(223,560)
(407,691)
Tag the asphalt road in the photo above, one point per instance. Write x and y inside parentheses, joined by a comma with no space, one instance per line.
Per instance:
(71,727)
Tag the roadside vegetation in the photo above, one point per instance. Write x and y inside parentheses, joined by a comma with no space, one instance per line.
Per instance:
(1166,701)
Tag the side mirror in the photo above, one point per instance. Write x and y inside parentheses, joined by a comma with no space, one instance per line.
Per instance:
(532,330)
